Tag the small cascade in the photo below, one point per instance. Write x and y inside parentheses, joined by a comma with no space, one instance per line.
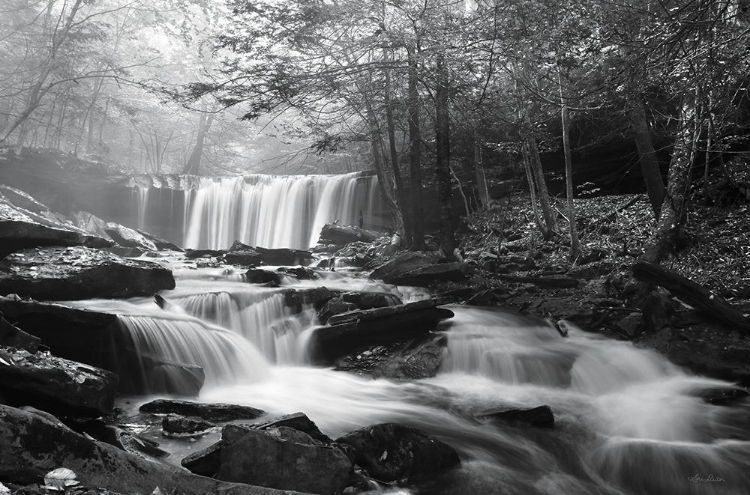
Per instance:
(140,194)
(276,211)
(262,318)
(224,356)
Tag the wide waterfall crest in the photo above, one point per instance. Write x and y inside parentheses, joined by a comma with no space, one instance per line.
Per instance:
(275,211)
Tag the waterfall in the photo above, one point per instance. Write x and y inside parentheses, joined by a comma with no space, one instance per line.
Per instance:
(140,194)
(276,211)
(224,356)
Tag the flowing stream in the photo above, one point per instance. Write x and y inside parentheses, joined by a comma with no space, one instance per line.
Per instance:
(626,421)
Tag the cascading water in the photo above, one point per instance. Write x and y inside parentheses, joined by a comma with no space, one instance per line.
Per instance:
(626,421)
(276,211)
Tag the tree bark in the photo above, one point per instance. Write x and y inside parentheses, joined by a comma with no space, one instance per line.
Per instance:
(415,151)
(575,246)
(442,159)
(482,193)
(673,209)
(541,186)
(646,154)
(194,162)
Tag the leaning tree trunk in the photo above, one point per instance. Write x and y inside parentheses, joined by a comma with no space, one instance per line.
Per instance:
(442,160)
(194,162)
(415,150)
(541,187)
(647,154)
(674,208)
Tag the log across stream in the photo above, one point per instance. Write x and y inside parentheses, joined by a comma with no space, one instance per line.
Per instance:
(625,419)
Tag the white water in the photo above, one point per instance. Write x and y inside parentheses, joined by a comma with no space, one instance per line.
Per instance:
(626,420)
(275,211)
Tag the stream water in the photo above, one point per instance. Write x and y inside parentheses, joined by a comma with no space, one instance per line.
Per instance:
(626,421)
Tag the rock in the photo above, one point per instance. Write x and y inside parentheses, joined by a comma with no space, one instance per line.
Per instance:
(428,275)
(161,244)
(592,255)
(413,360)
(13,337)
(180,425)
(537,416)
(33,445)
(284,256)
(72,273)
(334,307)
(341,235)
(379,326)
(242,254)
(98,339)
(299,272)
(282,457)
(209,412)
(118,437)
(22,229)
(722,396)
(370,300)
(630,325)
(192,254)
(298,300)
(392,452)
(297,421)
(54,384)
(404,263)
(127,237)
(259,276)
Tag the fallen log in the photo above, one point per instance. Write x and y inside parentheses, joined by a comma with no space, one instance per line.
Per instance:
(543,282)
(692,293)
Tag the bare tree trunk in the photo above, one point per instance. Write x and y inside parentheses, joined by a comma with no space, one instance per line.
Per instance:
(575,245)
(532,192)
(415,150)
(391,127)
(674,209)
(646,154)
(442,158)
(193,163)
(482,192)
(541,186)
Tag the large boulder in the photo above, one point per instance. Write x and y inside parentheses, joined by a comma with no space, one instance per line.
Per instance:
(31,446)
(536,416)
(340,235)
(427,276)
(54,384)
(21,229)
(404,263)
(284,256)
(347,332)
(127,237)
(57,273)
(242,254)
(283,458)
(207,411)
(393,452)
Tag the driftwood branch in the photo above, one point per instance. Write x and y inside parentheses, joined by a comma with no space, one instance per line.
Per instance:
(692,293)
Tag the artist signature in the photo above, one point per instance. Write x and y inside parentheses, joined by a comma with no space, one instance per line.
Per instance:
(697,478)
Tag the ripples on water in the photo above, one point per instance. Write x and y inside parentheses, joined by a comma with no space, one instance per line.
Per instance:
(627,421)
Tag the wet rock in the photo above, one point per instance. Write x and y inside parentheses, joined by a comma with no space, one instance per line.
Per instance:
(33,445)
(127,237)
(370,300)
(340,235)
(299,272)
(72,273)
(380,326)
(242,254)
(13,337)
(175,424)
(630,325)
(54,384)
(22,229)
(98,339)
(298,299)
(209,412)
(392,452)
(284,256)
(193,254)
(297,421)
(433,274)
(161,244)
(722,396)
(334,307)
(118,437)
(537,416)
(283,458)
(259,276)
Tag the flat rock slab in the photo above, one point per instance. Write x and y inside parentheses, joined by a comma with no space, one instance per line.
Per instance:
(340,235)
(14,337)
(393,452)
(208,412)
(32,445)
(75,273)
(379,326)
(404,263)
(22,229)
(54,384)
(536,416)
(426,276)
(127,237)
